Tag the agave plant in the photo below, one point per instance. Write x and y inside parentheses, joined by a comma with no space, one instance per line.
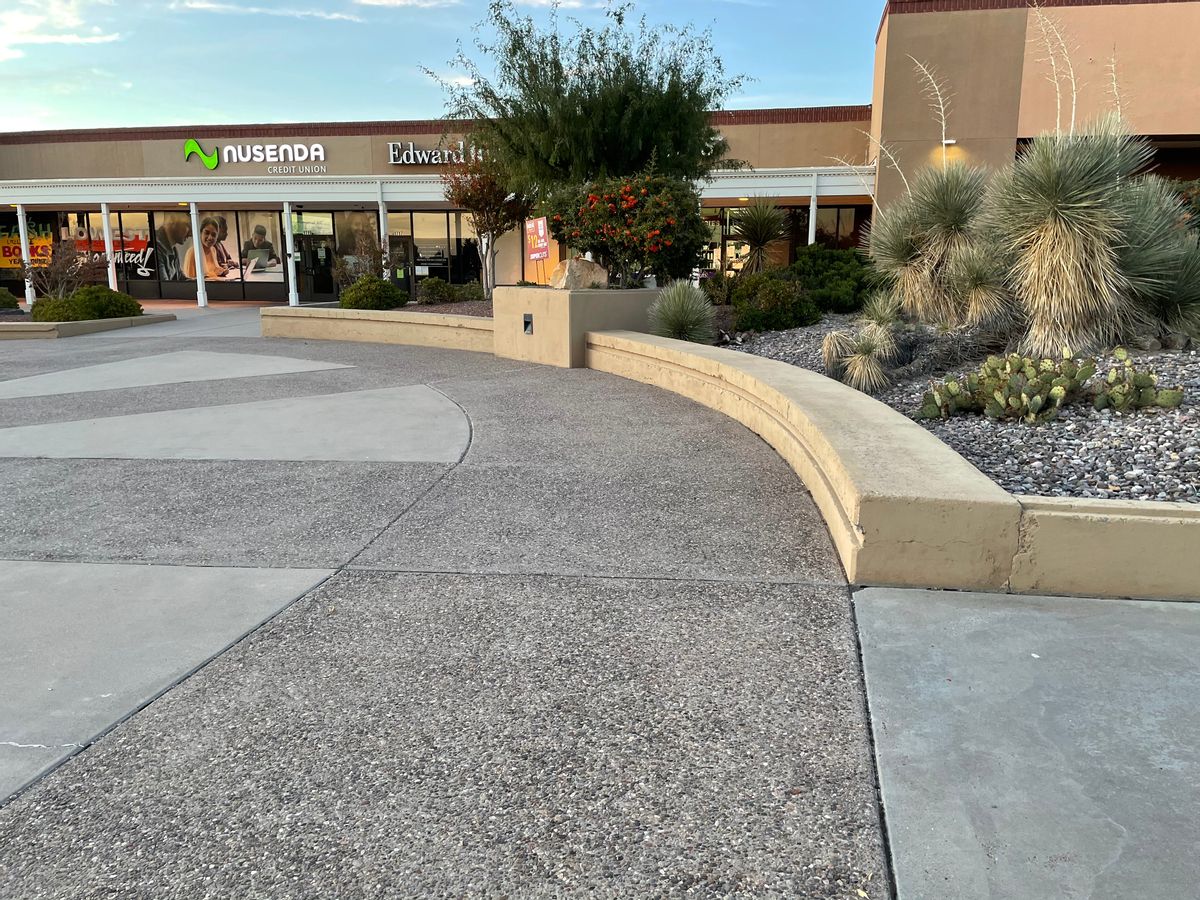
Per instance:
(757,226)
(682,311)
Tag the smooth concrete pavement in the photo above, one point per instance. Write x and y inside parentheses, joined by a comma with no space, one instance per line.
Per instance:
(413,423)
(161,368)
(1034,748)
(85,645)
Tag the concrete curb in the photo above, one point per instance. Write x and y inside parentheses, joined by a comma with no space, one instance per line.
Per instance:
(23,331)
(379,327)
(902,507)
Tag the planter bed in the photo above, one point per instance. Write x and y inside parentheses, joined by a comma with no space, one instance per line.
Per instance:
(1151,455)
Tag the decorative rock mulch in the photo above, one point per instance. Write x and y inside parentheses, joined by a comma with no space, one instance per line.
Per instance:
(1150,455)
(463,308)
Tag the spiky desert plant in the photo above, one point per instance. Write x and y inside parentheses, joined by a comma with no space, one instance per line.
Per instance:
(1064,209)
(757,226)
(913,241)
(881,308)
(835,347)
(683,312)
(977,273)
(865,365)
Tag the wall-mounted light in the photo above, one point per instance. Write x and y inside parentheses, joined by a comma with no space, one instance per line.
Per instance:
(948,141)
(743,199)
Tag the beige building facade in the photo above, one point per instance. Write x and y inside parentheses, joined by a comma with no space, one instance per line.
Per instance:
(287,202)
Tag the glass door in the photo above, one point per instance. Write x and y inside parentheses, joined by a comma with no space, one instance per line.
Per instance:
(313,234)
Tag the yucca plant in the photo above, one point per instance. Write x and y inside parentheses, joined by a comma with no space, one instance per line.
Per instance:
(882,309)
(1065,208)
(860,359)
(757,226)
(914,240)
(682,311)
(977,277)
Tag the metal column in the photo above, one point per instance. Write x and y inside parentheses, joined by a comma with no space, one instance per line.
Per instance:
(26,260)
(198,250)
(812,212)
(108,248)
(289,246)
(383,233)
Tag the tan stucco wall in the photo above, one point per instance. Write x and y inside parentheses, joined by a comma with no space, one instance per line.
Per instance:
(1158,67)
(416,329)
(761,145)
(979,55)
(798,144)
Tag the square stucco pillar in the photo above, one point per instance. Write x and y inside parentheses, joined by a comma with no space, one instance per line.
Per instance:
(23,230)
(198,250)
(549,326)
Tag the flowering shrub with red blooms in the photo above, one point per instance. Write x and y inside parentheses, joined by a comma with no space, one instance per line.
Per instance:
(634,226)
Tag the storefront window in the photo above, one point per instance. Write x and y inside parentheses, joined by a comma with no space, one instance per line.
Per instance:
(259,236)
(400,250)
(465,265)
(172,238)
(218,249)
(431,241)
(135,260)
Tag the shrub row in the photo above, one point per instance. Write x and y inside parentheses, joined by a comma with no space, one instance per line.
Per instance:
(8,300)
(92,302)
(435,290)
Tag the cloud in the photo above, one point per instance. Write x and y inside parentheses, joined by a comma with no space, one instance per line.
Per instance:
(40,22)
(207,6)
(410,4)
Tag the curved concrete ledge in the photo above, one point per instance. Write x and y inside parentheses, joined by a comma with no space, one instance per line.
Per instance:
(901,506)
(394,326)
(905,509)
(20,331)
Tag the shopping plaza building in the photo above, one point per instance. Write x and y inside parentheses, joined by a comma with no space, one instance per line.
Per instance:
(286,201)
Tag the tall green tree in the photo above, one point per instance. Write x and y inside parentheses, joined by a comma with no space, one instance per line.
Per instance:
(593,102)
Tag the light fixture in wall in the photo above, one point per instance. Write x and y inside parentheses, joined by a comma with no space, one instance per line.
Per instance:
(946,142)
(743,199)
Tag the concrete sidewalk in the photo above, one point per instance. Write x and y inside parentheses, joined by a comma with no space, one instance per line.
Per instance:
(607,651)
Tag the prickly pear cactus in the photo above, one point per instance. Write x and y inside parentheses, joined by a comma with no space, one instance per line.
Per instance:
(1011,387)
(1125,389)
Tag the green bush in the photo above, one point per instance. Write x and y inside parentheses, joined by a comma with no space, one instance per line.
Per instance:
(434,290)
(719,288)
(372,292)
(8,300)
(835,280)
(471,291)
(95,301)
(57,309)
(684,313)
(765,303)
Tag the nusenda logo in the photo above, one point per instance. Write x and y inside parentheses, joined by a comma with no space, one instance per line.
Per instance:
(209,159)
(258,153)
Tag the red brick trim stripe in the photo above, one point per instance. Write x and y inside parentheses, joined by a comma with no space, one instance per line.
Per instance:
(202,133)
(793,115)
(896,7)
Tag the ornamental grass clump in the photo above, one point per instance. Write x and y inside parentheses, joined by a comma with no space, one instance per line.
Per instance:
(683,312)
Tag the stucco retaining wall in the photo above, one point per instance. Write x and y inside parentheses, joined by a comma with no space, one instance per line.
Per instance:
(380,327)
(24,331)
(905,509)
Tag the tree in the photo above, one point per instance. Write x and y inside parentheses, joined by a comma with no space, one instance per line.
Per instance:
(635,225)
(610,101)
(64,271)
(478,186)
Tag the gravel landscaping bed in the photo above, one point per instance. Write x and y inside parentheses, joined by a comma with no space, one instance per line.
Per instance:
(463,308)
(1151,455)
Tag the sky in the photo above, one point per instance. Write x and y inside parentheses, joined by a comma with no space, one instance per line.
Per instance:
(118,63)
